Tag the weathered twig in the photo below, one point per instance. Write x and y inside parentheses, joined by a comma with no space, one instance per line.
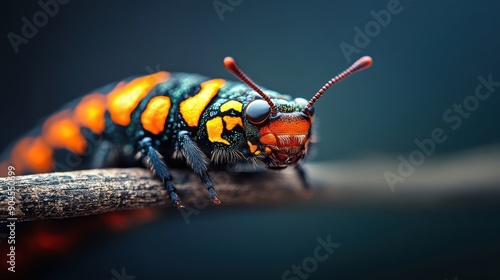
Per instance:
(80,193)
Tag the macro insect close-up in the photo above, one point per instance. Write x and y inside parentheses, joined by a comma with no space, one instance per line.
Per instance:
(215,139)
(188,118)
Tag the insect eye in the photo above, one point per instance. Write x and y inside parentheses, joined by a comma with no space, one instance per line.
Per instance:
(257,111)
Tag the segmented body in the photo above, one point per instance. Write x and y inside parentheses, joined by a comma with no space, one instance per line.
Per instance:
(167,119)
(105,128)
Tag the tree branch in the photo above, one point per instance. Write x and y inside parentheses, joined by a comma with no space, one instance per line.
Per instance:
(89,192)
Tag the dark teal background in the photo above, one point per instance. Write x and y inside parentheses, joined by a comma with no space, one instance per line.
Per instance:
(426,59)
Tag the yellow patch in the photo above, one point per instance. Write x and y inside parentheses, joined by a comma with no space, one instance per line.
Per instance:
(231,104)
(39,156)
(61,131)
(125,97)
(154,116)
(252,147)
(192,108)
(90,112)
(215,129)
(232,122)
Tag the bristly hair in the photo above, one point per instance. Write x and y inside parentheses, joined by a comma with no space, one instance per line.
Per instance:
(220,156)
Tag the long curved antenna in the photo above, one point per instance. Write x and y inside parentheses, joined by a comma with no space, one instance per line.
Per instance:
(230,64)
(357,66)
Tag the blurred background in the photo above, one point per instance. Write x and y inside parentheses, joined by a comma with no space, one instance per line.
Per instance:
(435,69)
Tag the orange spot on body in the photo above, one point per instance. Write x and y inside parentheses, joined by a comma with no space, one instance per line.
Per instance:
(124,98)
(17,155)
(252,147)
(61,131)
(215,129)
(231,104)
(3,169)
(39,156)
(154,116)
(192,108)
(232,122)
(90,112)
(31,154)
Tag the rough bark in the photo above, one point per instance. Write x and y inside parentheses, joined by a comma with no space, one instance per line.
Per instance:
(89,192)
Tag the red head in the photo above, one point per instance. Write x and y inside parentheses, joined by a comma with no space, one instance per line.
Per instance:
(284,128)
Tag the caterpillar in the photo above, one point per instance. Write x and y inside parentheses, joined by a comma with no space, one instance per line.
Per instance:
(170,119)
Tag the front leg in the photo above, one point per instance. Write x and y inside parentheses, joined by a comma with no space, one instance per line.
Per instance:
(303,179)
(152,159)
(197,161)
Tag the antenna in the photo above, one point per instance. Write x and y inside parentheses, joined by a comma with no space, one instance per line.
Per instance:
(357,66)
(230,64)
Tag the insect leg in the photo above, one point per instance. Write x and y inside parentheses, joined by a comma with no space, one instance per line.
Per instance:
(152,159)
(303,178)
(198,162)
